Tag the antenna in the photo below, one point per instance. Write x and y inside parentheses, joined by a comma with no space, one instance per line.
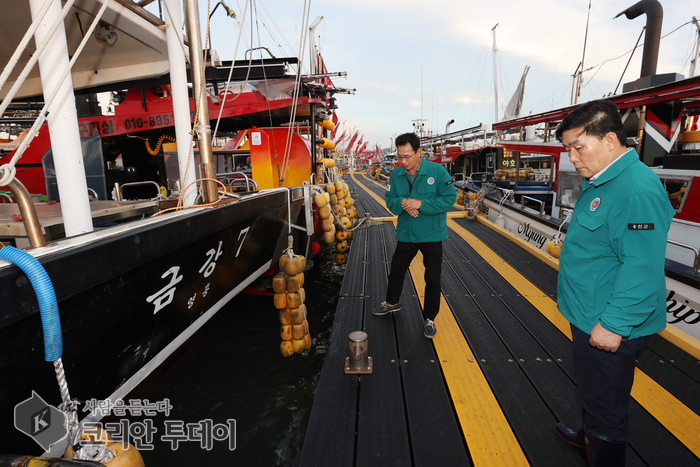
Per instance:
(583,56)
(495,74)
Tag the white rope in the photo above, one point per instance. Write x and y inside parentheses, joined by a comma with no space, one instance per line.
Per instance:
(230,73)
(297,81)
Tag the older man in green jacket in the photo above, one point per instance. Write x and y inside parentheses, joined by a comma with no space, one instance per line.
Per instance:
(420,193)
(611,284)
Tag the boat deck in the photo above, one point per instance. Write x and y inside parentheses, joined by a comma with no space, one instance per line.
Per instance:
(51,218)
(491,386)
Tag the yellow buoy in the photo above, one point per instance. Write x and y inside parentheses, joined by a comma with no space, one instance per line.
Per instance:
(300,330)
(299,345)
(341,258)
(292,264)
(293,299)
(286,348)
(326,143)
(286,332)
(329,237)
(285,316)
(342,246)
(279,283)
(295,282)
(320,200)
(298,315)
(327,124)
(119,454)
(280,300)
(324,212)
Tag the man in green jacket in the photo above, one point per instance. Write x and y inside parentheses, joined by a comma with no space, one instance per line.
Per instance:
(420,193)
(611,284)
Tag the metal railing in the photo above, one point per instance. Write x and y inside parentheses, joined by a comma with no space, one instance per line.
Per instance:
(541,203)
(120,188)
(696,252)
(229,180)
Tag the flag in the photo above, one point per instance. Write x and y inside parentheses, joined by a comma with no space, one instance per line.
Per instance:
(351,142)
(516,102)
(334,119)
(340,139)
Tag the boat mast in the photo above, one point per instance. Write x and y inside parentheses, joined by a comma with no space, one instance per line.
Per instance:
(63,123)
(694,61)
(181,100)
(207,168)
(579,77)
(495,74)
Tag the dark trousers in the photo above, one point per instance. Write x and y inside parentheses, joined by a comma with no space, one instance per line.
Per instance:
(432,260)
(604,381)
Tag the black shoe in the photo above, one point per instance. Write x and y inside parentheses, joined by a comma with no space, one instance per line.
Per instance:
(574,438)
(604,452)
(429,330)
(385,308)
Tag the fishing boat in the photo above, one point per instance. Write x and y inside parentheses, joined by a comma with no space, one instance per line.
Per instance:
(143,230)
(521,178)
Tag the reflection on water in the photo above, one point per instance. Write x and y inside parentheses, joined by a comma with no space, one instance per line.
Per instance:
(233,369)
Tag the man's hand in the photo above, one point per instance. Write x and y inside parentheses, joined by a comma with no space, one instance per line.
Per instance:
(603,339)
(411,206)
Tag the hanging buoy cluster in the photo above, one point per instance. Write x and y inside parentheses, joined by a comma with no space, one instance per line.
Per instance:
(98,445)
(460,198)
(289,301)
(345,216)
(554,247)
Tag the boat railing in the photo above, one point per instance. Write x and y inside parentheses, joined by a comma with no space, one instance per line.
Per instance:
(230,180)
(5,195)
(540,202)
(93,193)
(481,176)
(120,188)
(696,252)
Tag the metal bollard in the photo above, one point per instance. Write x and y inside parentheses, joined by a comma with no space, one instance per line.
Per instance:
(358,362)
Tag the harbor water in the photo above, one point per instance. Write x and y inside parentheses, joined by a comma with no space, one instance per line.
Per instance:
(231,376)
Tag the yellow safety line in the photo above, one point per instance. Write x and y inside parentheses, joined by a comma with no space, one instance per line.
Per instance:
(675,336)
(680,420)
(489,436)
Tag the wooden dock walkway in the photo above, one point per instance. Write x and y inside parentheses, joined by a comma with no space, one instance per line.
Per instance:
(491,386)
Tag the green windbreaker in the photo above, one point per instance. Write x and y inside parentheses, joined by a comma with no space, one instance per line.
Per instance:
(433,186)
(612,262)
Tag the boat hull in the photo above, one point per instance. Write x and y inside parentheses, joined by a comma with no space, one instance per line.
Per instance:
(127,301)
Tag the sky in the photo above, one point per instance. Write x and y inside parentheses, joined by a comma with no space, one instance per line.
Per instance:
(410,60)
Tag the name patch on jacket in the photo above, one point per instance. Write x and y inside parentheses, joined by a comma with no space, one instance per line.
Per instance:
(648,226)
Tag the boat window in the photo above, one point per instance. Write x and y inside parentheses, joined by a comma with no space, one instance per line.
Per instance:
(677,188)
(568,189)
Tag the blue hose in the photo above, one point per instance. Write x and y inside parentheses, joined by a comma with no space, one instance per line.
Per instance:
(48,306)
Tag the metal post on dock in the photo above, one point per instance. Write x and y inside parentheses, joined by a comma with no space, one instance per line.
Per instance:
(358,362)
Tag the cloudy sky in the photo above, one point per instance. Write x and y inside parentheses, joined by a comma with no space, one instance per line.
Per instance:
(410,59)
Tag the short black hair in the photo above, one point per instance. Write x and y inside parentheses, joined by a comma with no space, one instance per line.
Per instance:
(597,118)
(408,138)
